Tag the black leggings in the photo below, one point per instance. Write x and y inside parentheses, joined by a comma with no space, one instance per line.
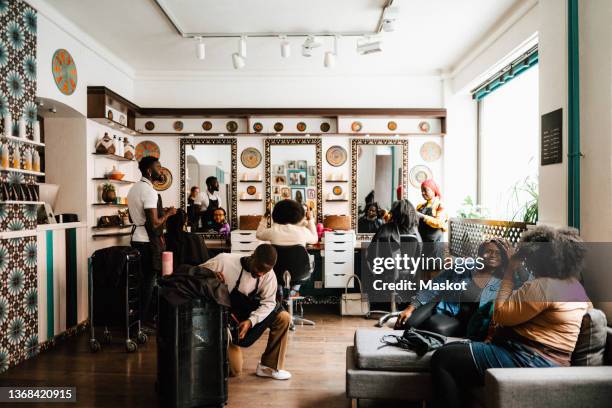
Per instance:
(453,371)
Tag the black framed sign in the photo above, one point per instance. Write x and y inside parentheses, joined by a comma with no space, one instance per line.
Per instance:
(551,146)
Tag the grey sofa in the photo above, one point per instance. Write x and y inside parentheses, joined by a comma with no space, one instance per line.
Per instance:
(375,372)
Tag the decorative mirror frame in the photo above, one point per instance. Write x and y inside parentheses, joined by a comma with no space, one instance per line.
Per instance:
(295,141)
(182,168)
(355,143)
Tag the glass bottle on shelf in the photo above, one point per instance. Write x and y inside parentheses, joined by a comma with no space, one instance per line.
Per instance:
(5,156)
(36,161)
(27,157)
(16,158)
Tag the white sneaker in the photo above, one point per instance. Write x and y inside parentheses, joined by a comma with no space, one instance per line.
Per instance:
(263,371)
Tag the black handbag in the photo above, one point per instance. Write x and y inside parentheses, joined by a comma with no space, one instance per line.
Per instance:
(419,341)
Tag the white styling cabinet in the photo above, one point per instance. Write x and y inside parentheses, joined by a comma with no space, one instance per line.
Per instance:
(338,258)
(245,241)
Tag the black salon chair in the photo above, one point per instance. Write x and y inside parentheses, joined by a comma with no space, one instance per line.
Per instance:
(410,245)
(293,266)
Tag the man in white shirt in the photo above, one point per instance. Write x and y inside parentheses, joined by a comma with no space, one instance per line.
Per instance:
(210,201)
(148,217)
(252,286)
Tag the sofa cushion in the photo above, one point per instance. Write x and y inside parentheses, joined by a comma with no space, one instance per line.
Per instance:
(608,357)
(372,354)
(591,343)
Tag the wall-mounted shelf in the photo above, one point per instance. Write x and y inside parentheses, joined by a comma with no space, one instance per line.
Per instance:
(109,205)
(113,180)
(336,181)
(251,199)
(336,201)
(112,156)
(22,202)
(29,172)
(112,235)
(250,181)
(113,227)
(22,140)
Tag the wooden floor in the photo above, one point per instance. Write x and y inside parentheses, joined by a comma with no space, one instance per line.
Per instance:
(113,378)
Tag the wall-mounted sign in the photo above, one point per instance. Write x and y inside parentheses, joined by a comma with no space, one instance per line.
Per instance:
(64,72)
(552,138)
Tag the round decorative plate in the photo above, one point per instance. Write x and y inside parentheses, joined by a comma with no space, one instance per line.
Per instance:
(325,127)
(419,174)
(250,157)
(431,151)
(251,190)
(206,125)
(165,182)
(178,125)
(64,71)
(231,126)
(278,126)
(424,126)
(149,126)
(392,125)
(337,190)
(109,114)
(336,156)
(257,127)
(356,126)
(147,148)
(301,126)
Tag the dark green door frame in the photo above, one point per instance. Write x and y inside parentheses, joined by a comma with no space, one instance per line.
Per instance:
(573,125)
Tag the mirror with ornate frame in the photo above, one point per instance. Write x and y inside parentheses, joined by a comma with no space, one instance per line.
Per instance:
(212,160)
(378,168)
(293,170)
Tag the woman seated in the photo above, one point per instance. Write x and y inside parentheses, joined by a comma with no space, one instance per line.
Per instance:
(538,324)
(219,222)
(291,225)
(370,221)
(187,248)
(465,313)
(194,203)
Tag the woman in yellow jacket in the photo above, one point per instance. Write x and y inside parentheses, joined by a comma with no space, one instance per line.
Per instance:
(433,221)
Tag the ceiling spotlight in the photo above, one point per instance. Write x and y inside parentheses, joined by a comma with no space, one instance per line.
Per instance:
(389,17)
(310,43)
(285,47)
(369,45)
(242,46)
(238,61)
(200,49)
(330,56)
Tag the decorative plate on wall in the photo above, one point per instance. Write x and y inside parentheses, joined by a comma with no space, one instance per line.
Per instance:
(250,157)
(278,126)
(165,182)
(147,148)
(356,126)
(325,127)
(419,174)
(206,125)
(257,127)
(392,125)
(64,72)
(337,190)
(149,125)
(178,125)
(231,126)
(336,156)
(301,126)
(424,126)
(251,190)
(431,151)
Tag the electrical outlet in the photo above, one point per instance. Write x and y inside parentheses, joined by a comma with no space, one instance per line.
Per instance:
(318,284)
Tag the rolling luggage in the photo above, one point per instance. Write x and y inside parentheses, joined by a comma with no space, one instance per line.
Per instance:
(192,339)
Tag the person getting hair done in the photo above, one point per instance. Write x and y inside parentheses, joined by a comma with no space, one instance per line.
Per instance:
(148,217)
(187,248)
(210,200)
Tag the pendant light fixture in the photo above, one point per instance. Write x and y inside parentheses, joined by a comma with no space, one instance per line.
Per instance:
(330,56)
(285,47)
(200,49)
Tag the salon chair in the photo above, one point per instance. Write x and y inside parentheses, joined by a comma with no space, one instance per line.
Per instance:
(408,244)
(293,266)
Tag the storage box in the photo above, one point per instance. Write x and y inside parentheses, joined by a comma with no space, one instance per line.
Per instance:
(249,222)
(337,222)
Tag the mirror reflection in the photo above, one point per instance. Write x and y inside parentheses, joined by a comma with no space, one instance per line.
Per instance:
(379,180)
(293,173)
(208,187)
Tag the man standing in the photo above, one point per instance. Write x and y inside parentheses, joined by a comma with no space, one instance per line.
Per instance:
(210,201)
(148,217)
(252,286)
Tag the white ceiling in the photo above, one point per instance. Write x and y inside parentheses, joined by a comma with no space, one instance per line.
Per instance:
(431,35)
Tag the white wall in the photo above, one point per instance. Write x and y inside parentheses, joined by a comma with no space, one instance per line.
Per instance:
(95,65)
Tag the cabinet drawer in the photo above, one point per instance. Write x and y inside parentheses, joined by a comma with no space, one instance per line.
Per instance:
(339,237)
(339,267)
(245,245)
(242,251)
(339,254)
(338,280)
(339,246)
(244,235)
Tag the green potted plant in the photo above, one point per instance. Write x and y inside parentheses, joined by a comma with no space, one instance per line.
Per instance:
(109,194)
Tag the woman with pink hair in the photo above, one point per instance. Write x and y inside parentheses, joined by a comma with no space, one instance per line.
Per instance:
(433,221)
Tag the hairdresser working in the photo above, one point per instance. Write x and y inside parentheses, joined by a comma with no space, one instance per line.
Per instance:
(433,221)
(538,323)
(462,313)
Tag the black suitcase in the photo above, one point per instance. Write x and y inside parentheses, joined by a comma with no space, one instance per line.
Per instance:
(192,367)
